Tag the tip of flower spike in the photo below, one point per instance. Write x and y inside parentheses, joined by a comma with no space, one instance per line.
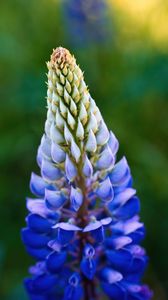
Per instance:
(61,56)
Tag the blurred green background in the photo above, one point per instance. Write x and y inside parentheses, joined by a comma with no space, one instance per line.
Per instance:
(122,45)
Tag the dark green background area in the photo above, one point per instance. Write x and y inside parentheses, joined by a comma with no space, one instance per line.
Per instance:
(129,81)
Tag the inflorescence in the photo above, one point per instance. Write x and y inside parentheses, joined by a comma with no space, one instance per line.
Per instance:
(83,227)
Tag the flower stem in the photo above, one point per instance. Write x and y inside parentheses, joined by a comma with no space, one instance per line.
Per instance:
(82,216)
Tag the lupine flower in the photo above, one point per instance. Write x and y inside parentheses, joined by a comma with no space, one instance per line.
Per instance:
(87,21)
(83,227)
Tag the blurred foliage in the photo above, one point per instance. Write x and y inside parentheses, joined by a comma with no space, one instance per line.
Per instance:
(127,73)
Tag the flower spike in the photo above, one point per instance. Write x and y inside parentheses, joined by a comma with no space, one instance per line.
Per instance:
(83,227)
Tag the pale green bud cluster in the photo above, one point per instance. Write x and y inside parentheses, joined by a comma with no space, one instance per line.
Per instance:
(74,122)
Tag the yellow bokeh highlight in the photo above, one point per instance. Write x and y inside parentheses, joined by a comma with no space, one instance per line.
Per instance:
(144,17)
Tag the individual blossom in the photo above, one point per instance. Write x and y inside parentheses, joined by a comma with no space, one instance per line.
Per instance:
(83,227)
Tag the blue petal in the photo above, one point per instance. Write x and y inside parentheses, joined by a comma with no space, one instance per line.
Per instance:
(117,175)
(87,167)
(91,144)
(111,276)
(74,280)
(28,283)
(49,171)
(64,236)
(138,235)
(46,146)
(137,292)
(114,291)
(105,190)
(73,291)
(54,199)
(132,225)
(126,227)
(120,260)
(102,135)
(39,224)
(38,269)
(44,283)
(92,226)
(68,226)
(56,135)
(113,143)
(118,242)
(98,234)
(75,151)
(89,251)
(123,197)
(106,221)
(131,208)
(33,239)
(40,253)
(70,169)
(37,185)
(57,154)
(56,260)
(65,232)
(88,264)
(88,267)
(39,157)
(126,183)
(76,198)
(37,206)
(105,160)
